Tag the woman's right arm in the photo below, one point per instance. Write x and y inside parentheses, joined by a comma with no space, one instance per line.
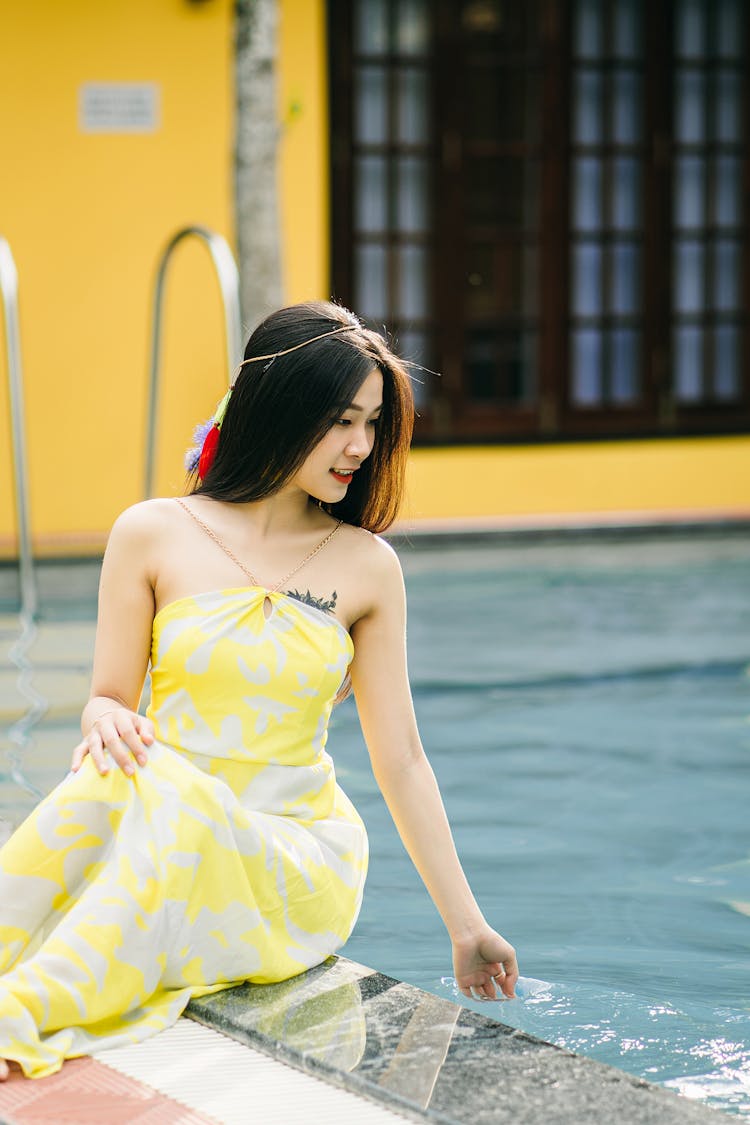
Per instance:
(110,723)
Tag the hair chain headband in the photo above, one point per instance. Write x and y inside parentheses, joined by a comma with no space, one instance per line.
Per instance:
(206,436)
(312,340)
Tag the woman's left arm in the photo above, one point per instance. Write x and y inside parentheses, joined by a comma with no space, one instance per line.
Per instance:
(481,957)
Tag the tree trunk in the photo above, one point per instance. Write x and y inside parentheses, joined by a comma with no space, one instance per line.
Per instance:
(257,134)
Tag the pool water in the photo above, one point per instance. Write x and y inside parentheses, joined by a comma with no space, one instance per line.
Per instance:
(585,708)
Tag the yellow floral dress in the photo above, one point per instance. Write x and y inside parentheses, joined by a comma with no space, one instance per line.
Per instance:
(232,855)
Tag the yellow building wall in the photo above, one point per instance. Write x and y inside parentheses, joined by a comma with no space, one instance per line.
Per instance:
(675,478)
(87,215)
(303,150)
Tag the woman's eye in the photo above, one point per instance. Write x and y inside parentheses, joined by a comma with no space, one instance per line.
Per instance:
(343,421)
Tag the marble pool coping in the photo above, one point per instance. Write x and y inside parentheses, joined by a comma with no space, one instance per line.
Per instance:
(429,1058)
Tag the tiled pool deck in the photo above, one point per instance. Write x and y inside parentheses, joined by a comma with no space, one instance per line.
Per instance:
(378,1041)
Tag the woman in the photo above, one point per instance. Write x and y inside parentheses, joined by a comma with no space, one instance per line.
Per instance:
(222,849)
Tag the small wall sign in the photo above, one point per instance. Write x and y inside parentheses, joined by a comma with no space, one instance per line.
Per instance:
(118,107)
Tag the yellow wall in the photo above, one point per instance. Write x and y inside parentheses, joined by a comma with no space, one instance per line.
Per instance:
(689,476)
(303,149)
(86,216)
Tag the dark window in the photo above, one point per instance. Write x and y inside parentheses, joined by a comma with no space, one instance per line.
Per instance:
(544,201)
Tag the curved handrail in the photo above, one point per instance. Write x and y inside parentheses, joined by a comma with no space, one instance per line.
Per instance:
(19,734)
(229,283)
(9,291)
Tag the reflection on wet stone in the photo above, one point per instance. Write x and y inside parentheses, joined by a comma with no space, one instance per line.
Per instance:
(430,1058)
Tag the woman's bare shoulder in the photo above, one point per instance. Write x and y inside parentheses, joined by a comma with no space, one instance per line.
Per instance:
(145,523)
(373,559)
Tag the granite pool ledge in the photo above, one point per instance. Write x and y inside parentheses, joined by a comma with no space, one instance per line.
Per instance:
(429,1058)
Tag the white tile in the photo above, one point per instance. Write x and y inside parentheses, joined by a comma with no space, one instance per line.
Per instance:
(236,1085)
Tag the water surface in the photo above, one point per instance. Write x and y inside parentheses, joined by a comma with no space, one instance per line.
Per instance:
(585,708)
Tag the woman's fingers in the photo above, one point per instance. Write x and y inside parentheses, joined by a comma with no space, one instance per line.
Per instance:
(498,976)
(79,754)
(510,979)
(120,736)
(145,729)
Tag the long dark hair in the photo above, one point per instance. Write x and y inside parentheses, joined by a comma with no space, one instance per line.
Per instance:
(281,408)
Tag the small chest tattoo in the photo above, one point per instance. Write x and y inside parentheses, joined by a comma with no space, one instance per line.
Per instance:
(323,604)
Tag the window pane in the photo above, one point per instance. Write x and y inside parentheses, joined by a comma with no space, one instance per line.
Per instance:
(412,109)
(411,263)
(626,107)
(500,280)
(370,105)
(688,268)
(500,103)
(370,194)
(501,365)
(529,280)
(689,108)
(370,27)
(728,109)
(586,367)
(501,191)
(412,27)
(690,28)
(587,29)
(482,364)
(587,280)
(587,193)
(729,30)
(727,362)
(624,359)
(529,352)
(414,346)
(727,192)
(512,367)
(370,282)
(588,103)
(625,278)
(690,191)
(412,211)
(726,276)
(688,349)
(627,28)
(626,186)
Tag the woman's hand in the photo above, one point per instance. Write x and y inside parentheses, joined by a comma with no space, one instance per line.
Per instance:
(123,733)
(482,962)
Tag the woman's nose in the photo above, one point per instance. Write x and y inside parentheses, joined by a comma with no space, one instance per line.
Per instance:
(359,444)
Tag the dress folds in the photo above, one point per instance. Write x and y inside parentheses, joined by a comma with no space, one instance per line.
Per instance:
(232,855)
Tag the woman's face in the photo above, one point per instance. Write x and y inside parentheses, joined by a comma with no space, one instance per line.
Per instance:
(327,470)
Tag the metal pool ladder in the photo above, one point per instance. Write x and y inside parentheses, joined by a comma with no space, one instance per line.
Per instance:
(229,283)
(19,734)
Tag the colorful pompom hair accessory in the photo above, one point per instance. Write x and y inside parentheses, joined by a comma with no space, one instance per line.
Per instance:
(206,438)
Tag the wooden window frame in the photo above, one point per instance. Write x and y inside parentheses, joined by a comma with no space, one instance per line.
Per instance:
(553,417)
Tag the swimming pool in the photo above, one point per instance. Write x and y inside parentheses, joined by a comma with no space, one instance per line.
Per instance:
(585,707)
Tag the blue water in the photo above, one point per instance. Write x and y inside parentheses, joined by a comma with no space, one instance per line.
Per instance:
(585,708)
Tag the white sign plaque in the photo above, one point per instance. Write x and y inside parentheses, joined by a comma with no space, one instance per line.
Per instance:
(118,107)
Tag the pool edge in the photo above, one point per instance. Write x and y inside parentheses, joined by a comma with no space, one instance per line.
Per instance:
(430,1058)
